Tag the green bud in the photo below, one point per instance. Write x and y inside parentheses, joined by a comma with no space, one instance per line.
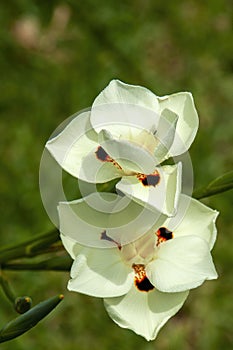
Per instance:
(23,304)
(29,319)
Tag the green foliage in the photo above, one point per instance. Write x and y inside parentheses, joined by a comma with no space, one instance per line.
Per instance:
(221,184)
(29,319)
(56,57)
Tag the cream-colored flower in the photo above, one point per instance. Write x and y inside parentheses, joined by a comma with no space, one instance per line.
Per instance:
(144,282)
(127,134)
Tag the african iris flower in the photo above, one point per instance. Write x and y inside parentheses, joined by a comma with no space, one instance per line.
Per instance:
(144,282)
(127,134)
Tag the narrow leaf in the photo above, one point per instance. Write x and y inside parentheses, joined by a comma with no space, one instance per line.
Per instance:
(221,184)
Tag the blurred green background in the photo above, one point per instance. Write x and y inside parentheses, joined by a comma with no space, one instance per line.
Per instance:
(56,56)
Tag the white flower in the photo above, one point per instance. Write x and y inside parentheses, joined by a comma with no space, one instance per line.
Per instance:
(127,134)
(146,282)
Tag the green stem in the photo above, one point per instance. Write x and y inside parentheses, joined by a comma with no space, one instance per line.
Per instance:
(221,184)
(204,192)
(29,248)
(58,263)
(6,288)
(20,304)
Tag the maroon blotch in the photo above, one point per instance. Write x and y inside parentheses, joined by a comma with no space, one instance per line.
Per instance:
(101,154)
(107,238)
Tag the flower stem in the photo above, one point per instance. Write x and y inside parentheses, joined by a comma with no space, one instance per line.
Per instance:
(58,263)
(221,184)
(6,288)
(29,248)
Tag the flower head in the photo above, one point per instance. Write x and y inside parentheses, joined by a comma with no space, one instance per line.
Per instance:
(146,282)
(127,134)
(144,248)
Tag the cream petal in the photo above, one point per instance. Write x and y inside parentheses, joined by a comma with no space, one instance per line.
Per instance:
(124,121)
(165,134)
(106,220)
(131,157)
(129,105)
(119,92)
(144,312)
(193,218)
(100,273)
(95,170)
(162,197)
(183,105)
(75,142)
(181,264)
(70,245)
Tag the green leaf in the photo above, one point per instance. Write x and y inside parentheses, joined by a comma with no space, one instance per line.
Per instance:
(29,319)
(220,184)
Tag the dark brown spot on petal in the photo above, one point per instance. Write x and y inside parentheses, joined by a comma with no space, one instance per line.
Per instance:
(143,285)
(107,238)
(104,157)
(163,235)
(149,180)
(140,280)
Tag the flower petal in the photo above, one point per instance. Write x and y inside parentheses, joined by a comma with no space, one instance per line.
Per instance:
(100,273)
(165,134)
(193,218)
(183,105)
(119,93)
(76,141)
(141,146)
(162,197)
(144,312)
(182,263)
(105,220)
(70,245)
(95,170)
(84,220)
(123,120)
(131,157)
